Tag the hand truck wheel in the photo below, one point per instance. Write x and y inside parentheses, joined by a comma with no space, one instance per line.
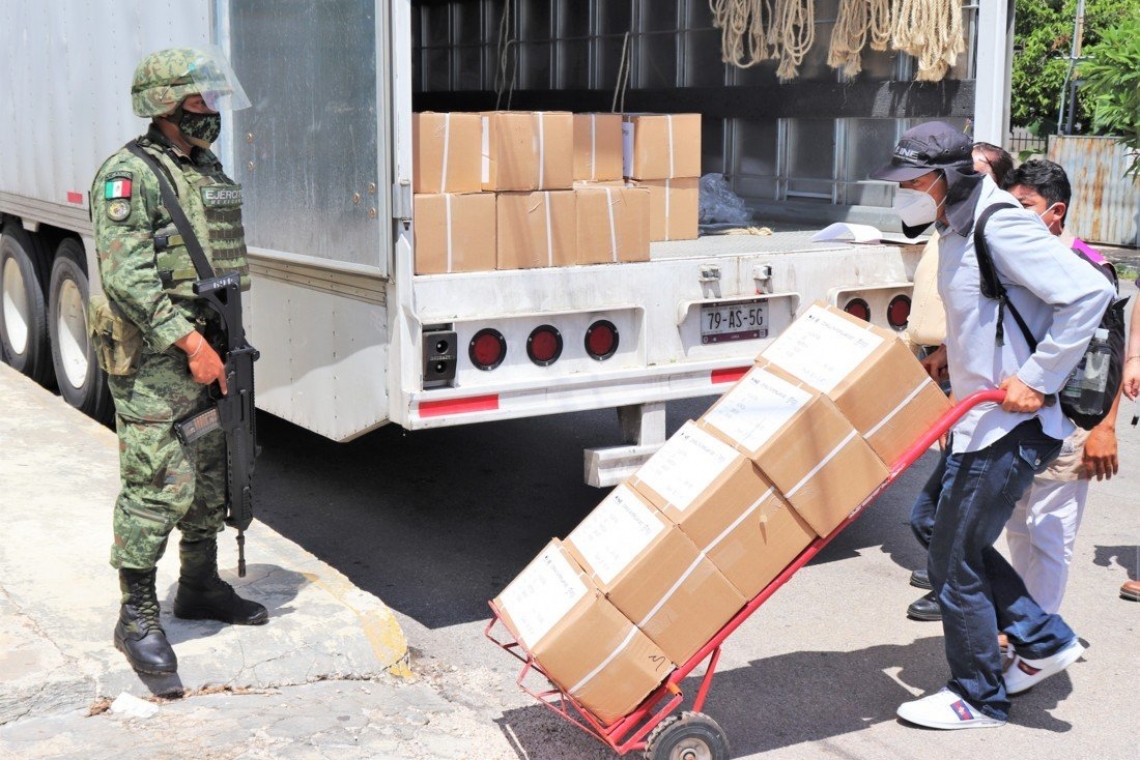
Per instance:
(688,736)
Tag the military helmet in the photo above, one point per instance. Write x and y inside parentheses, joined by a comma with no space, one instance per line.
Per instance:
(165,78)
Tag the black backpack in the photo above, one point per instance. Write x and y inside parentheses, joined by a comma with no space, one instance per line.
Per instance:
(1113,320)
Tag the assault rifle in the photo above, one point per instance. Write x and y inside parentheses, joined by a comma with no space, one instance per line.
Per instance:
(233,412)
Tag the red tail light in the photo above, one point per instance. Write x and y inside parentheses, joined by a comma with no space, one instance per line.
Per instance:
(601,340)
(898,312)
(544,345)
(488,349)
(857,307)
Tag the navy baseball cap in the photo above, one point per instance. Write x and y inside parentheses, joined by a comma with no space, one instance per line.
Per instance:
(922,149)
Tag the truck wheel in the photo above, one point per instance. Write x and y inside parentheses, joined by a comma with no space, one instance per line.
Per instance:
(689,736)
(23,315)
(81,382)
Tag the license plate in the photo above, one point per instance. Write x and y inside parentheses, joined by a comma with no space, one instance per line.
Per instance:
(721,323)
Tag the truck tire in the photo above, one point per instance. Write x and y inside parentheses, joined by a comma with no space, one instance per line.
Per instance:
(23,314)
(81,382)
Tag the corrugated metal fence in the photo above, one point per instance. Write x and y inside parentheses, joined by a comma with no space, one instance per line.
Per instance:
(1106,204)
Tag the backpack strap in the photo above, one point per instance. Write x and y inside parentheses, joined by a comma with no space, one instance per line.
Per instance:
(991,283)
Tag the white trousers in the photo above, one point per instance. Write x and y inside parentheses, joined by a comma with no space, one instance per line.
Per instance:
(1041,533)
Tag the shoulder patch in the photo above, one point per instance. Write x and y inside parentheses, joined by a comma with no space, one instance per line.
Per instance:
(119,209)
(117,187)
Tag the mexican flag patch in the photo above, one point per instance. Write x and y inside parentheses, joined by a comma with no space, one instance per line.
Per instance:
(117,188)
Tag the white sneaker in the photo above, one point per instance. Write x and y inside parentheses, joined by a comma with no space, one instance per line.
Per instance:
(946,710)
(1025,673)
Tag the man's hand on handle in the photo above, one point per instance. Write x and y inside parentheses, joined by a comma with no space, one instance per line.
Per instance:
(205,365)
(1019,397)
(937,365)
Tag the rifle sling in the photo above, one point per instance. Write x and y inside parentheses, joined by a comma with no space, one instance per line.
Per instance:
(177,215)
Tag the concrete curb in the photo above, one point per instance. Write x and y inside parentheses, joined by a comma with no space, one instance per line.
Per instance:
(59,596)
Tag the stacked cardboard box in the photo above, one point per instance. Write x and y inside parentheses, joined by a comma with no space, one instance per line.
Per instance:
(452,233)
(732,499)
(556,184)
(867,371)
(662,152)
(581,641)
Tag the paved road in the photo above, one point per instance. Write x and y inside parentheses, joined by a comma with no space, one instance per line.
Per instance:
(434,523)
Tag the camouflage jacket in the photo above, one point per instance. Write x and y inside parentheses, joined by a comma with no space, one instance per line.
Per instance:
(144,267)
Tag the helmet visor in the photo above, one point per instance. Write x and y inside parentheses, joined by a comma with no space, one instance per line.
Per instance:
(216,82)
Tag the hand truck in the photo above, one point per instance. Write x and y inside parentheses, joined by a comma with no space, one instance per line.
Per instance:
(691,735)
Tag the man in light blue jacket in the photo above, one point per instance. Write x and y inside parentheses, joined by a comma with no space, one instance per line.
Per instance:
(994,451)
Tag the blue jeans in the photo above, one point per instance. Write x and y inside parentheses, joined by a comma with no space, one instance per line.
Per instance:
(977,589)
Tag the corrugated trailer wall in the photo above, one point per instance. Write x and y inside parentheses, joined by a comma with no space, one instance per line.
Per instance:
(1106,204)
(66,70)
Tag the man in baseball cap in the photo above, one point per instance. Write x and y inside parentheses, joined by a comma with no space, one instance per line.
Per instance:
(994,450)
(934,166)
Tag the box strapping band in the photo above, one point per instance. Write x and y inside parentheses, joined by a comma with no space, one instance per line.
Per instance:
(593,146)
(613,227)
(541,153)
(668,203)
(486,176)
(755,505)
(602,665)
(910,397)
(672,590)
(549,232)
(447,205)
(670,122)
(446,154)
(831,455)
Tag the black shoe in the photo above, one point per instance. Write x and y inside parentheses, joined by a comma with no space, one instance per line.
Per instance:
(921,579)
(925,608)
(202,595)
(138,634)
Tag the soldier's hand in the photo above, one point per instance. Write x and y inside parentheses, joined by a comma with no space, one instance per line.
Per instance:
(205,365)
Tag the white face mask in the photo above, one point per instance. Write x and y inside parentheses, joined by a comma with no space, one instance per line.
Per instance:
(915,207)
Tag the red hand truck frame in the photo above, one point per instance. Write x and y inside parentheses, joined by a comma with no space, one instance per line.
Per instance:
(647,726)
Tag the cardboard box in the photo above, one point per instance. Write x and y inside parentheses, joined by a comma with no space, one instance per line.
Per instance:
(653,573)
(455,233)
(867,371)
(661,146)
(447,153)
(536,229)
(801,442)
(525,150)
(579,639)
(674,208)
(613,224)
(598,146)
(722,502)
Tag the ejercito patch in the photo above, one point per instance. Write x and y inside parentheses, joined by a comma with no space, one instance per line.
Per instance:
(118,209)
(221,195)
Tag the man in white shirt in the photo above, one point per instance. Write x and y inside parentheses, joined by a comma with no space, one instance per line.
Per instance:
(994,451)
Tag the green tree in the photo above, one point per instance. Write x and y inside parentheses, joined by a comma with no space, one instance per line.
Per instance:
(1043,39)
(1111,80)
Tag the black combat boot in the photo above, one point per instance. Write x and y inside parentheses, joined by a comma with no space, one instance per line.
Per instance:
(202,595)
(138,634)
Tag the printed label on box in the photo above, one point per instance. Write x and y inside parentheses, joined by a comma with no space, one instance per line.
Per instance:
(627,132)
(686,465)
(616,532)
(758,406)
(822,348)
(543,594)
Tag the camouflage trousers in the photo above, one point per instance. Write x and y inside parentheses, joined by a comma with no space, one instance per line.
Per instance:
(164,484)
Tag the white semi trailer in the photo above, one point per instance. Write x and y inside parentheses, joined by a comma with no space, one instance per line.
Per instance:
(350,338)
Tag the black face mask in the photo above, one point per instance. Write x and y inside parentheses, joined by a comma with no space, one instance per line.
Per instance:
(201,126)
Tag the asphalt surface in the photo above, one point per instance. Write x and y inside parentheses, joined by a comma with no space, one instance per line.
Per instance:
(434,524)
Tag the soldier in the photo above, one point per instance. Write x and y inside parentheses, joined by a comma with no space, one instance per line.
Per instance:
(150,337)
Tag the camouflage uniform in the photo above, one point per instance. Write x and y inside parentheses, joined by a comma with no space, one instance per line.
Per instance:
(163,484)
